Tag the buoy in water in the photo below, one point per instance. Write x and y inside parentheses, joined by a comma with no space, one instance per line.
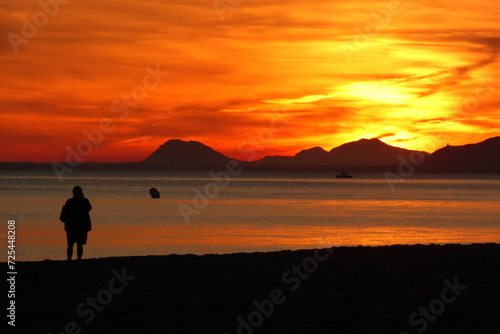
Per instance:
(154,193)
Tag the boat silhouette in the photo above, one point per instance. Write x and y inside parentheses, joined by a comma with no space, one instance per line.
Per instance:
(343,175)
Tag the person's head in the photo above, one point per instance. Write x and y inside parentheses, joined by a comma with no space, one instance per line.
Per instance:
(77,191)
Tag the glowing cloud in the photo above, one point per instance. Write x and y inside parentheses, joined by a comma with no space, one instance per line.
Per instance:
(427,76)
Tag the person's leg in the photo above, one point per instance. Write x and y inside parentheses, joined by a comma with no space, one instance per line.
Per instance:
(70,250)
(79,250)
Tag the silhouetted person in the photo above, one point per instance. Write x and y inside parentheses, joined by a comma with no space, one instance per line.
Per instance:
(76,219)
(154,193)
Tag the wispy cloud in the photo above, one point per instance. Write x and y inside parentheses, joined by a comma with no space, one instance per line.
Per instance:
(405,87)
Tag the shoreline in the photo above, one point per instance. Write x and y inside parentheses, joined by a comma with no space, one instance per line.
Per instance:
(255,252)
(350,290)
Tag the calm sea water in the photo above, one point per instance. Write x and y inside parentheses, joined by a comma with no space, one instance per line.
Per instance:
(254,212)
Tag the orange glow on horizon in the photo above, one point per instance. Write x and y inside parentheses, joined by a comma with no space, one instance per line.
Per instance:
(417,83)
(248,238)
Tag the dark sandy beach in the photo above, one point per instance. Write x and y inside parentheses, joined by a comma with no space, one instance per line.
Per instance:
(444,289)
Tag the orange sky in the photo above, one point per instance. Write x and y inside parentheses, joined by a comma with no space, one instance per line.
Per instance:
(419,78)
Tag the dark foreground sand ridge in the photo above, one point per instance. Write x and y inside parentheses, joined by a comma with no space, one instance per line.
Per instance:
(353,290)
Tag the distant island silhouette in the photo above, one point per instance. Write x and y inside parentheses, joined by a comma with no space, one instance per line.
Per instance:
(364,155)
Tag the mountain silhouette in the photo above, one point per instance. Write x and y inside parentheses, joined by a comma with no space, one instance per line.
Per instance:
(177,153)
(371,152)
(368,155)
(315,156)
(483,157)
(361,153)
